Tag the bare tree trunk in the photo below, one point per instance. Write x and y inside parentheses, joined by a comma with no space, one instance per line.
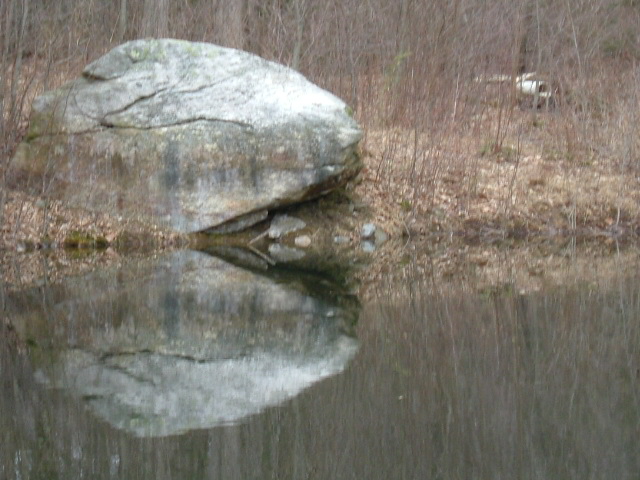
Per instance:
(155,18)
(519,52)
(4,62)
(122,20)
(256,21)
(17,66)
(526,29)
(300,7)
(403,26)
(229,23)
(10,114)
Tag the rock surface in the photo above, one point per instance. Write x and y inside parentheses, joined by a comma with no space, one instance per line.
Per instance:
(303,241)
(368,230)
(189,136)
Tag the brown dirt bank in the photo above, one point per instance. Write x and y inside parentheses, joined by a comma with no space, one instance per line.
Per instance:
(532,183)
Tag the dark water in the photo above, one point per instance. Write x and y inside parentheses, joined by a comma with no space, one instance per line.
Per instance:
(185,366)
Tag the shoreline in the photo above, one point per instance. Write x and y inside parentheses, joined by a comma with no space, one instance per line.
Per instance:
(31,224)
(509,267)
(444,255)
(466,197)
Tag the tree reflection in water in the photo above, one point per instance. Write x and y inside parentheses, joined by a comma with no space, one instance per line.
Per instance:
(446,384)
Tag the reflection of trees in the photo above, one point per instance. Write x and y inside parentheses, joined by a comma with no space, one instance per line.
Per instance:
(506,385)
(446,384)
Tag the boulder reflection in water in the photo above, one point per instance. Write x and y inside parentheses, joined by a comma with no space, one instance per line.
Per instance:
(184,341)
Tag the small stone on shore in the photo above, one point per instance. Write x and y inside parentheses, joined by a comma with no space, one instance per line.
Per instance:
(368,230)
(303,241)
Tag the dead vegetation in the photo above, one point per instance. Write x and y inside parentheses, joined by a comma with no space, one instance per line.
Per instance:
(522,188)
(37,223)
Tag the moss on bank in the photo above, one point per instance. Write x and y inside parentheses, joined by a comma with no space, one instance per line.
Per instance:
(84,240)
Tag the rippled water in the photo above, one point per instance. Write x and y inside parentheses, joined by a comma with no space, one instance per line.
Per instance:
(185,366)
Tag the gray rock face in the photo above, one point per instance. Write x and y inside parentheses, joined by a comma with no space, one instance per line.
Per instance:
(183,340)
(188,135)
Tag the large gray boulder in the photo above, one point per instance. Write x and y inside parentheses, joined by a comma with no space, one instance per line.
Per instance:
(189,136)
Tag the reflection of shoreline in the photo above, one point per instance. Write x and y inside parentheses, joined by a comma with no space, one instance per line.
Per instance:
(528,266)
(170,341)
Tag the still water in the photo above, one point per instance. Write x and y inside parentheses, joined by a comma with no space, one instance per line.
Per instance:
(185,366)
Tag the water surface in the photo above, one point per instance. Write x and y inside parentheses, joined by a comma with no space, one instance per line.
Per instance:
(190,367)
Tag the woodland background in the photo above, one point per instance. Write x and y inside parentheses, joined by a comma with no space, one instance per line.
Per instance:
(408,68)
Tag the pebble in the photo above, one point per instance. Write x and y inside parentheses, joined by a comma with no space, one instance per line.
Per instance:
(281,253)
(381,237)
(303,241)
(368,247)
(368,230)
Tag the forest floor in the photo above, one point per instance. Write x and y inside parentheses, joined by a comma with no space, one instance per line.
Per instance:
(468,203)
